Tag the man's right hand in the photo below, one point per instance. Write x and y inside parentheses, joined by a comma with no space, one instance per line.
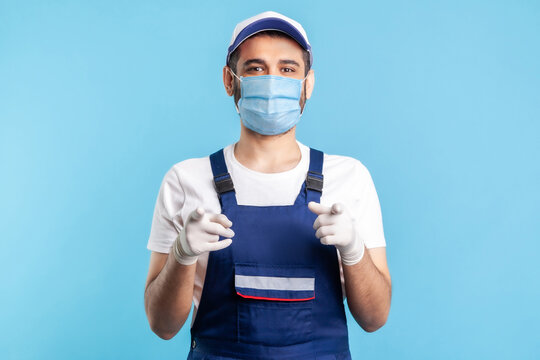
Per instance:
(200,234)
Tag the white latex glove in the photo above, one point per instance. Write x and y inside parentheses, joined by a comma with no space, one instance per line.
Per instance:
(200,234)
(335,226)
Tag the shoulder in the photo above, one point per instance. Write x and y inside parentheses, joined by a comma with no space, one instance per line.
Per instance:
(333,162)
(344,167)
(190,169)
(193,175)
(186,176)
(340,163)
(345,173)
(341,166)
(192,164)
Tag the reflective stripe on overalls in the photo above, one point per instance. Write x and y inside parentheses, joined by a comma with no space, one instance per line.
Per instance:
(275,292)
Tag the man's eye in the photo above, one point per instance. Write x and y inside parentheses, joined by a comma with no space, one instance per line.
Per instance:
(288,70)
(255,68)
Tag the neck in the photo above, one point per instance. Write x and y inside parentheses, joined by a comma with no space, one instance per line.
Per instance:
(267,153)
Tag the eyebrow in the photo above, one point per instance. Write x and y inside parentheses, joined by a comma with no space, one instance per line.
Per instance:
(251,61)
(289,62)
(261,61)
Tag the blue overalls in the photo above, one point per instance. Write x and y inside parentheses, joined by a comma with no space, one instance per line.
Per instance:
(275,292)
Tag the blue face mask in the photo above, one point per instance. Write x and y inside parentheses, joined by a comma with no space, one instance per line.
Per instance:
(269,104)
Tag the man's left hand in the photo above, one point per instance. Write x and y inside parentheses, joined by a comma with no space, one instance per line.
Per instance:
(335,226)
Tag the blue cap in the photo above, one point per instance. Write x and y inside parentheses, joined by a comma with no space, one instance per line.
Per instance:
(269,20)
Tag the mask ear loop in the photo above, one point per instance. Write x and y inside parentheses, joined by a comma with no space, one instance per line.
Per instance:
(304,95)
(235,105)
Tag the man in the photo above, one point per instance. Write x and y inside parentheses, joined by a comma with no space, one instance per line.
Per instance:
(267,236)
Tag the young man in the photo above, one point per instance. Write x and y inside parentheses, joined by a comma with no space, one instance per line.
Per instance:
(267,236)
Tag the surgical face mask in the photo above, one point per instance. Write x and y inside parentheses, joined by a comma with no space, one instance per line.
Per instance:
(269,104)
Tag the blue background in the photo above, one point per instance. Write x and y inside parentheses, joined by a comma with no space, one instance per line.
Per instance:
(440,100)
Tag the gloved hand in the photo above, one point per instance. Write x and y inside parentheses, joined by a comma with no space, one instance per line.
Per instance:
(200,234)
(335,226)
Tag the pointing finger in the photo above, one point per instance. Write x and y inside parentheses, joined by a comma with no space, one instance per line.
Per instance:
(318,208)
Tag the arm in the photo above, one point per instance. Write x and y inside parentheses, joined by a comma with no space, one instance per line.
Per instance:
(169,285)
(168,294)
(369,289)
(365,272)
(169,288)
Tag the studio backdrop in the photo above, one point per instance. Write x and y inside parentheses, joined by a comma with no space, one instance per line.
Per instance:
(439,100)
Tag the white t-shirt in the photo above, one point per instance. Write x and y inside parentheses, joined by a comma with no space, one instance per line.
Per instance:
(189,184)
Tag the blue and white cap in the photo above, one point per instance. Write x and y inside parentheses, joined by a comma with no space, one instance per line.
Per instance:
(269,20)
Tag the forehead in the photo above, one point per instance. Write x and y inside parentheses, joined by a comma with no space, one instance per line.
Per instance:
(270,48)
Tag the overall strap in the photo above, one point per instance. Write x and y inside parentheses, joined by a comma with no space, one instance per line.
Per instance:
(222,179)
(314,180)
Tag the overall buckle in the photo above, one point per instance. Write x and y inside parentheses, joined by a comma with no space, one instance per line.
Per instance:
(223,183)
(314,181)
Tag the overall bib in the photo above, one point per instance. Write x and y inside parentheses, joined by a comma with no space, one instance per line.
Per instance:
(275,292)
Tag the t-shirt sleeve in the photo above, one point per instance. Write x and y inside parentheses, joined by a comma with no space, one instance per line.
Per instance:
(167,221)
(367,211)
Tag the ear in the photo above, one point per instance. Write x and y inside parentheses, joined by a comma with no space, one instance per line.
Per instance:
(310,82)
(228,81)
